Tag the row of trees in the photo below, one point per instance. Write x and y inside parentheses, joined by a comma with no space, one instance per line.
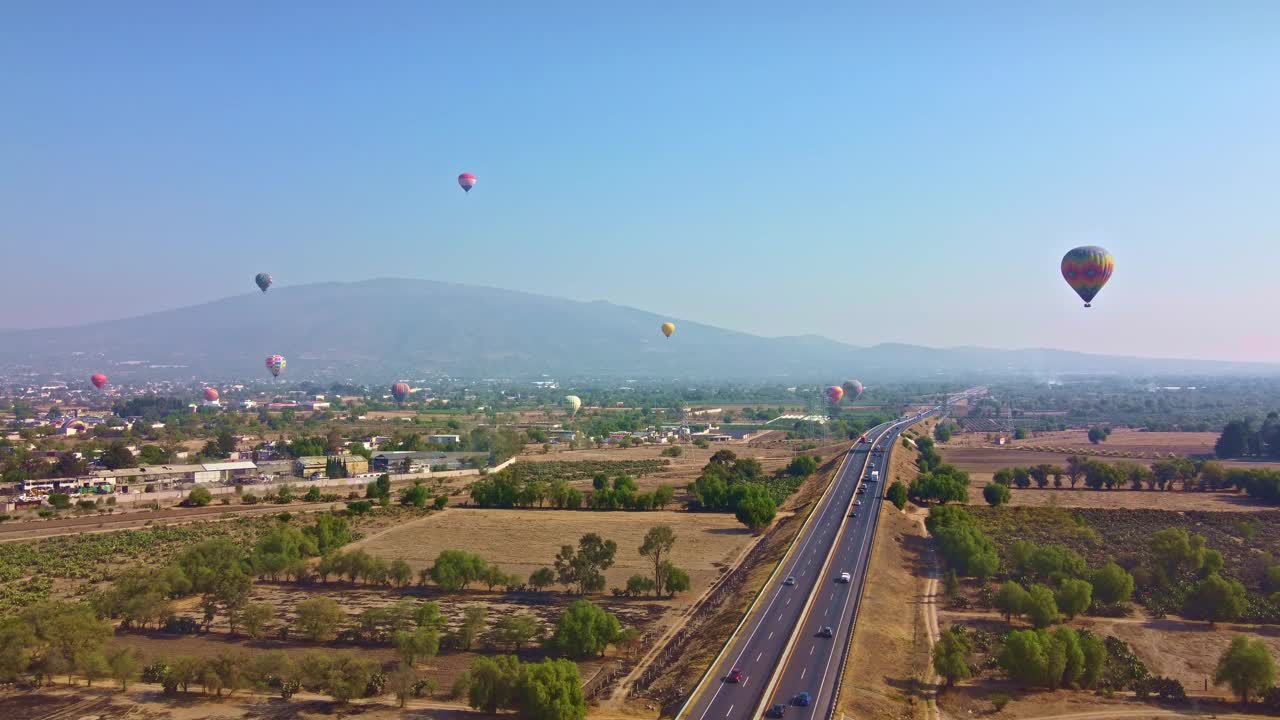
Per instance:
(507,490)
(738,485)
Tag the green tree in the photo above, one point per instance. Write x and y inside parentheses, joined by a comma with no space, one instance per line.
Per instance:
(400,573)
(1111,584)
(1247,666)
(1025,658)
(516,631)
(551,690)
(674,579)
(123,664)
(996,494)
(1215,599)
(1095,659)
(493,682)
(416,644)
(473,621)
(951,656)
(897,495)
(416,496)
(116,456)
(585,566)
(1067,642)
(318,619)
(256,619)
(756,509)
(402,682)
(1176,553)
(585,630)
(658,542)
(1012,600)
(542,578)
(1041,608)
(1073,597)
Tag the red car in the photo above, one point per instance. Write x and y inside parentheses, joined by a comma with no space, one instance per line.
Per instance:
(735,675)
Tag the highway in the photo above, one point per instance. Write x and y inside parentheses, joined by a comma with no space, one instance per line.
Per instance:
(762,649)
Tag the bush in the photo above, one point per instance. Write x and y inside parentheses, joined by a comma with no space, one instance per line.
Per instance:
(999,701)
(198,497)
(60,501)
(674,451)
(996,494)
(897,495)
(248,499)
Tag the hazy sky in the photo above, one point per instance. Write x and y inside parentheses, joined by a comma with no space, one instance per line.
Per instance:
(767,167)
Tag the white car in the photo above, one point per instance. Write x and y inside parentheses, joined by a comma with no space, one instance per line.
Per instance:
(845,577)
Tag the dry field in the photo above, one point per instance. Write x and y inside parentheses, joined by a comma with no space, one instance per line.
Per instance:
(1174,500)
(521,541)
(1121,440)
(682,470)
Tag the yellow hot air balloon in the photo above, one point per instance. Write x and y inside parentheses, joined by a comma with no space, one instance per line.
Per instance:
(668,328)
(574,402)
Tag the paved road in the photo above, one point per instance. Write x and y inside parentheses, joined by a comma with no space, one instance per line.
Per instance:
(758,648)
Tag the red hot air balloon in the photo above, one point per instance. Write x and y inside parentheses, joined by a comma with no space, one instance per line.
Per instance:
(835,394)
(211,394)
(99,380)
(400,391)
(467,181)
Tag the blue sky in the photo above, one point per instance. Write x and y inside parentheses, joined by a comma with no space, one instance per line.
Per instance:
(756,166)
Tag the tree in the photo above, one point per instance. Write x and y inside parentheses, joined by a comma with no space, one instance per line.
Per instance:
(802,466)
(318,619)
(1176,553)
(585,567)
(416,644)
(493,683)
(1215,599)
(1234,441)
(473,620)
(951,656)
(124,665)
(1111,584)
(1097,435)
(657,545)
(516,631)
(897,494)
(1066,642)
(1247,666)
(1041,608)
(942,432)
(585,630)
(674,579)
(551,690)
(1073,597)
(638,585)
(402,683)
(542,578)
(756,509)
(256,619)
(400,573)
(1095,658)
(456,569)
(1025,658)
(1011,600)
(416,496)
(92,665)
(116,456)
(996,494)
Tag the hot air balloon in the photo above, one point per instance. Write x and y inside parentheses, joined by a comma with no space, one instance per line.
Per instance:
(99,380)
(211,394)
(574,402)
(1086,269)
(853,389)
(835,394)
(400,391)
(467,181)
(668,328)
(275,365)
(263,280)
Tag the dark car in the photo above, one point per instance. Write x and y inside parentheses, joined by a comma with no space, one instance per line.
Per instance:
(825,631)
(790,581)
(776,711)
(735,675)
(803,699)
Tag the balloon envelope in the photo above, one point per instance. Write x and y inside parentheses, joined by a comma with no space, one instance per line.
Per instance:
(210,394)
(467,181)
(99,380)
(400,391)
(1086,269)
(263,281)
(835,393)
(574,402)
(275,364)
(853,389)
(668,328)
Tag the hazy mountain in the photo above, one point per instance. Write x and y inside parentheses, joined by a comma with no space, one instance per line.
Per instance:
(382,329)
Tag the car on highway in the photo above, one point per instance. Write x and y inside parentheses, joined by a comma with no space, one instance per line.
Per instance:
(735,676)
(844,578)
(853,514)
(826,632)
(803,699)
(857,502)
(790,581)
(776,710)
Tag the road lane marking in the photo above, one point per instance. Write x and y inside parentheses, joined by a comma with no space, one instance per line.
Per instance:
(810,649)
(729,711)
(802,672)
(762,652)
(770,637)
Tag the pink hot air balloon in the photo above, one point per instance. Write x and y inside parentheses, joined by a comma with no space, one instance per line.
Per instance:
(467,181)
(210,394)
(400,391)
(835,394)
(99,380)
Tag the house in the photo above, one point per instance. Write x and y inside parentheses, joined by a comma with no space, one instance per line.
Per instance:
(226,472)
(393,461)
(444,439)
(310,465)
(355,464)
(562,436)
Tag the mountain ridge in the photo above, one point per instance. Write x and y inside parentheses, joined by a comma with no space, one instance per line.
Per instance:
(394,327)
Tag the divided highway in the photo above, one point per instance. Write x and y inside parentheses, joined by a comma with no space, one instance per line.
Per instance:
(780,651)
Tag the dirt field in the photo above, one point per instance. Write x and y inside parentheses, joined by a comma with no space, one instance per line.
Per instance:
(884,675)
(1123,499)
(1121,439)
(521,541)
(680,472)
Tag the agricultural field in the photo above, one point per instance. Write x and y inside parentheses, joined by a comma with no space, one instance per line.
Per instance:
(1122,440)
(1173,500)
(521,541)
(678,471)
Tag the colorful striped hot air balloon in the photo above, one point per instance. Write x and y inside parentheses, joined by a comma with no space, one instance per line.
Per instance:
(853,389)
(467,181)
(99,380)
(275,365)
(668,328)
(211,394)
(835,394)
(400,391)
(1086,269)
